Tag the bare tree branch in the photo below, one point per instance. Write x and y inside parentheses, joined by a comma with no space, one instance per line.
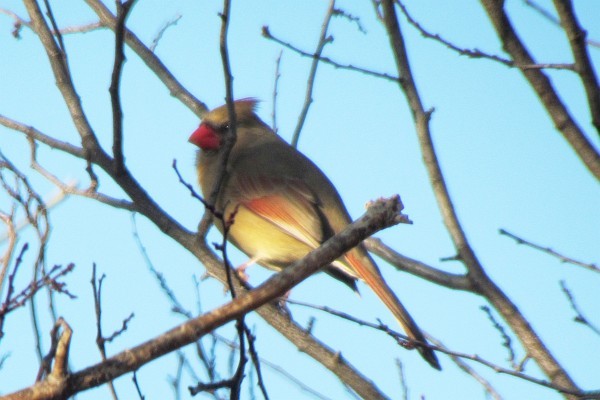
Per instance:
(172,22)
(476,53)
(323,40)
(479,279)
(563,121)
(469,370)
(583,63)
(548,250)
(267,34)
(115,83)
(579,317)
(152,61)
(550,17)
(381,214)
(63,80)
(418,268)
(275,86)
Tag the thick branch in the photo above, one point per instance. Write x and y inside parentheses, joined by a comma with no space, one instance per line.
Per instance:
(476,274)
(115,85)
(193,243)
(380,215)
(563,121)
(417,268)
(63,77)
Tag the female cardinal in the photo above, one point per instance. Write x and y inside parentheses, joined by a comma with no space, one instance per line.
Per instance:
(284,205)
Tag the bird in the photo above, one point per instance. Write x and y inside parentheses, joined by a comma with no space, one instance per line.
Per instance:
(282,205)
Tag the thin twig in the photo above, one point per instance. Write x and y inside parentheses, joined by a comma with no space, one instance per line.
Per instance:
(172,22)
(10,288)
(476,53)
(506,340)
(579,317)
(402,379)
(441,348)
(308,99)
(583,63)
(256,361)
(548,250)
(71,188)
(97,291)
(301,385)
(275,87)
(56,31)
(152,61)
(64,81)
(137,386)
(552,18)
(267,34)
(487,386)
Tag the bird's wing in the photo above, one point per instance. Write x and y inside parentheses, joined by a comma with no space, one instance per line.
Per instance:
(286,203)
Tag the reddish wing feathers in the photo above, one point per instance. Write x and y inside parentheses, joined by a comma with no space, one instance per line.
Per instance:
(285,203)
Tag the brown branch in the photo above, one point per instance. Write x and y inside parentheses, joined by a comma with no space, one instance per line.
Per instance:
(207,362)
(418,268)
(463,365)
(115,83)
(457,357)
(9,301)
(539,82)
(55,376)
(548,250)
(506,340)
(11,236)
(323,40)
(151,60)
(550,17)
(275,86)
(56,31)
(579,317)
(481,282)
(583,64)
(31,132)
(402,379)
(305,387)
(271,314)
(71,188)
(381,214)
(267,34)
(100,340)
(148,207)
(476,53)
(162,31)
(63,79)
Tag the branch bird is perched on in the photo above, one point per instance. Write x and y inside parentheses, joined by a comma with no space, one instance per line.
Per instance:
(284,205)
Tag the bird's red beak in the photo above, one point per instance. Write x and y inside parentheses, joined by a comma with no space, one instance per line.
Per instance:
(205,137)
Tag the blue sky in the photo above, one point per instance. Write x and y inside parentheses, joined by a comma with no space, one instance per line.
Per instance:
(505,165)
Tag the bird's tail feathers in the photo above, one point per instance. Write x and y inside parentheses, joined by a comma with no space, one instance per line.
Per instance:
(368,271)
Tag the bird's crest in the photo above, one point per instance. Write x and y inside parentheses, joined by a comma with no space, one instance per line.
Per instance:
(244,110)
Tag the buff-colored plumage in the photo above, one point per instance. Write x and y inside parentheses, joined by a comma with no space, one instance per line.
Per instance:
(285,206)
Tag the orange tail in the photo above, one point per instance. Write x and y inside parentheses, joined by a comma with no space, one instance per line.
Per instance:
(367,270)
